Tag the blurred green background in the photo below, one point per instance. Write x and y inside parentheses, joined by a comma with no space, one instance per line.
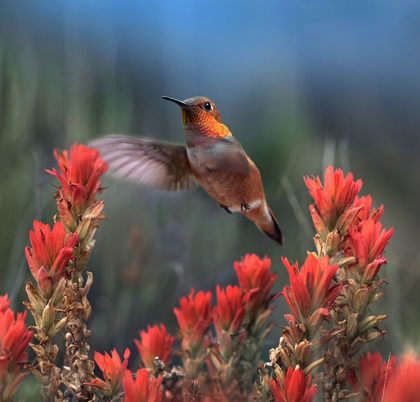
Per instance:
(300,84)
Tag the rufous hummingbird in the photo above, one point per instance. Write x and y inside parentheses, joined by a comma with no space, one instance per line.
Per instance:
(213,159)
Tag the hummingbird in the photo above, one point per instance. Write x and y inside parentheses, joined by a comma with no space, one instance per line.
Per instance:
(212,158)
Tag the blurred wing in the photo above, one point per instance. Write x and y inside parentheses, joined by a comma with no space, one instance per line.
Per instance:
(157,164)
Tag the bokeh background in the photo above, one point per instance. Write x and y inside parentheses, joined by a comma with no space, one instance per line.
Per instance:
(301,84)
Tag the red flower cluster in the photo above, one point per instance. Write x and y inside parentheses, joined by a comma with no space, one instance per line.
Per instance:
(404,384)
(333,201)
(113,371)
(294,388)
(367,244)
(374,378)
(194,319)
(50,254)
(310,294)
(156,342)
(228,317)
(14,339)
(143,389)
(79,178)
(256,281)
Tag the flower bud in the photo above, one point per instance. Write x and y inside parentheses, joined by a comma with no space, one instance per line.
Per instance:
(261,321)
(352,326)
(48,316)
(370,322)
(360,300)
(287,357)
(37,317)
(67,218)
(59,326)
(95,210)
(314,366)
(346,218)
(34,298)
(86,230)
(315,321)
(303,352)
(332,243)
(57,296)
(44,283)
(319,224)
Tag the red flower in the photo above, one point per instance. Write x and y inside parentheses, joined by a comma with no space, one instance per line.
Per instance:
(79,176)
(194,319)
(255,279)
(14,339)
(156,342)
(368,245)
(143,389)
(51,249)
(113,371)
(310,293)
(228,316)
(333,200)
(296,387)
(374,377)
(230,311)
(404,384)
(366,211)
(4,303)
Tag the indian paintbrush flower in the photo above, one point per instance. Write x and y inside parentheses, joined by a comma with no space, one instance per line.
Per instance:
(374,376)
(367,246)
(50,254)
(14,339)
(256,280)
(228,317)
(293,387)
(334,199)
(79,178)
(229,313)
(155,343)
(143,388)
(311,294)
(194,319)
(113,371)
(404,383)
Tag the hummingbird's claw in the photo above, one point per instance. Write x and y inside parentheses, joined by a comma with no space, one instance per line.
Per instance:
(245,207)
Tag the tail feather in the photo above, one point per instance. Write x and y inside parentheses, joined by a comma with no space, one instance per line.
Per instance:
(271,227)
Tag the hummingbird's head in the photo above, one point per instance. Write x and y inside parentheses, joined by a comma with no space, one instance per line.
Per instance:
(200,117)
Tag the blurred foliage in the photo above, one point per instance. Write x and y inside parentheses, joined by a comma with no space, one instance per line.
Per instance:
(296,99)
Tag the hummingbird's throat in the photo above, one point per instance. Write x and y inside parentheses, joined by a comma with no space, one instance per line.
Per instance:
(204,124)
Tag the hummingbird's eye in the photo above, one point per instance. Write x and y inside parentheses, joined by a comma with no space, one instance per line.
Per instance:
(208,106)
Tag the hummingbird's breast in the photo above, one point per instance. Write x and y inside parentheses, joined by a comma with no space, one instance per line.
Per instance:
(226,173)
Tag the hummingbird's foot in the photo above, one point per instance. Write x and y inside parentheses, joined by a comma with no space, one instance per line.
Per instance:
(226,209)
(245,207)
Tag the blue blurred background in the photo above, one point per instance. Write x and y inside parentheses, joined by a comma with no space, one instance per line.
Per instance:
(301,84)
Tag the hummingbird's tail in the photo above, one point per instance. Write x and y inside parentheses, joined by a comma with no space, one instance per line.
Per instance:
(270,227)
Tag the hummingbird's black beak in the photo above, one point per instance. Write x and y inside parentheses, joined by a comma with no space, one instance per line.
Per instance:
(178,102)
